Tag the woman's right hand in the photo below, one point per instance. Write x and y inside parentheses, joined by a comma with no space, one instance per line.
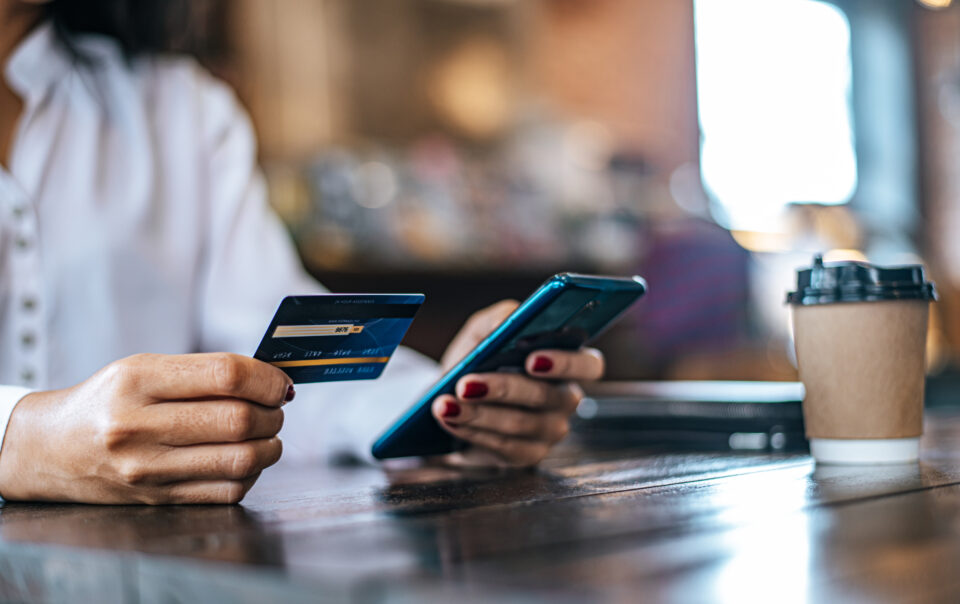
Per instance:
(154,429)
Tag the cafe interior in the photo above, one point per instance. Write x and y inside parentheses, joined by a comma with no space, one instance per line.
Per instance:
(470,149)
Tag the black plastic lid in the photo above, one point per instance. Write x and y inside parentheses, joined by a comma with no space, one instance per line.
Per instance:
(859,282)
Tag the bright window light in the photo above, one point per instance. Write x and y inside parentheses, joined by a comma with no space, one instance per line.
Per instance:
(773,88)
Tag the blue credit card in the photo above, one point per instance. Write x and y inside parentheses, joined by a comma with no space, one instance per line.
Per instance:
(337,337)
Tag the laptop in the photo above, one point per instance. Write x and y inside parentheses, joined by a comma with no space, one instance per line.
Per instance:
(712,415)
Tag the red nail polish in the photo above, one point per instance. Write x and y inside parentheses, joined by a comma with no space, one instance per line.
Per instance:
(475,390)
(542,364)
(290,394)
(451,409)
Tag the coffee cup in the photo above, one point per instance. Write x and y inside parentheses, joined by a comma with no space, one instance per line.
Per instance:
(860,335)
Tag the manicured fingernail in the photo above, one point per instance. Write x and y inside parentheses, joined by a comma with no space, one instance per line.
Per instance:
(451,409)
(475,390)
(290,394)
(542,364)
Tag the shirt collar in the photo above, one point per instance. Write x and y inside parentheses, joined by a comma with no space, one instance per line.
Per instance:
(38,62)
(41,60)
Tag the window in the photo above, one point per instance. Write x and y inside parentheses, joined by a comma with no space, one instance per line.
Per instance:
(774,102)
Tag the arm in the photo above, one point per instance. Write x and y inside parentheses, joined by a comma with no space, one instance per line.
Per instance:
(250,266)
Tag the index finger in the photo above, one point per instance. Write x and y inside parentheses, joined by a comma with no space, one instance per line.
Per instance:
(188,376)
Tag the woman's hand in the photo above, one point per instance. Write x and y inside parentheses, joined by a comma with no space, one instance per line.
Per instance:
(513,419)
(154,429)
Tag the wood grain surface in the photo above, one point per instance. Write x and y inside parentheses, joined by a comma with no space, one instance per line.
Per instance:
(589,525)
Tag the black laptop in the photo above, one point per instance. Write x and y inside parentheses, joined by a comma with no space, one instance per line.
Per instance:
(719,415)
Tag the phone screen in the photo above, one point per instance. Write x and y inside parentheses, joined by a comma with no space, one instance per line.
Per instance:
(567,323)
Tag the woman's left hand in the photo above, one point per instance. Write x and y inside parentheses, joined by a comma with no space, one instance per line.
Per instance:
(513,419)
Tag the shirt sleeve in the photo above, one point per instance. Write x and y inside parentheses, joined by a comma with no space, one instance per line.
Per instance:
(251,264)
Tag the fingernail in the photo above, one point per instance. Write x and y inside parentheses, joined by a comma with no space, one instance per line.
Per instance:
(451,409)
(475,390)
(542,364)
(290,394)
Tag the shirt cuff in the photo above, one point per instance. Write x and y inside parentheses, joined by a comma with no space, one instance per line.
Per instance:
(9,397)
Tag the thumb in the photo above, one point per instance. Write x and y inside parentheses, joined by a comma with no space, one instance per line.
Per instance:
(478,326)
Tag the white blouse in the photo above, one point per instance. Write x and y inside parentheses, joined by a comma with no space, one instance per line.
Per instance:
(133,219)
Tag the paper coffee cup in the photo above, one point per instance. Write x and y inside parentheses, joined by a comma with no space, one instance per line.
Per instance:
(860,336)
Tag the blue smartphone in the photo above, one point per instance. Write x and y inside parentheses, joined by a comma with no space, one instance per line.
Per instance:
(566,312)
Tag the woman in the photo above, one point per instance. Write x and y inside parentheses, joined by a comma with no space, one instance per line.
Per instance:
(133,219)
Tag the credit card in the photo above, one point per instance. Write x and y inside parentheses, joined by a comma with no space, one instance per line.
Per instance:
(337,337)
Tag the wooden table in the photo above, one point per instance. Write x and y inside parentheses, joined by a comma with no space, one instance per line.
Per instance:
(624,526)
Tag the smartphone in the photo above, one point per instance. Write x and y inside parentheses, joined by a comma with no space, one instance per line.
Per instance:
(566,312)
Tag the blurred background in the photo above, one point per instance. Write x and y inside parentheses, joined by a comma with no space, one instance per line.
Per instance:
(468,149)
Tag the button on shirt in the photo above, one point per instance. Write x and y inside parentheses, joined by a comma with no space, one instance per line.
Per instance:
(133,219)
